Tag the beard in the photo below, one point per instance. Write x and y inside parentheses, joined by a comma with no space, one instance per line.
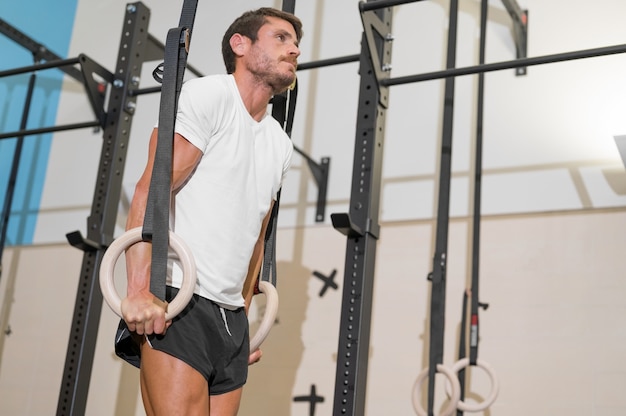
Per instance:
(281,82)
(268,71)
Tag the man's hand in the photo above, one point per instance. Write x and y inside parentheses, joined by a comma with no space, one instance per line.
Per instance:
(255,356)
(145,314)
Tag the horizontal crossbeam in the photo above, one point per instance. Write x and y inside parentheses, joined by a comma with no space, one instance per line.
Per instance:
(497,66)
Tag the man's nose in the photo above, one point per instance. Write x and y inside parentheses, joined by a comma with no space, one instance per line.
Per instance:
(295,50)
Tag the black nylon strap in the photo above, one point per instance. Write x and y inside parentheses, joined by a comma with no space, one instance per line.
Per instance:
(474,303)
(156,220)
(462,349)
(283,108)
(438,286)
(478,167)
(289,6)
(268,272)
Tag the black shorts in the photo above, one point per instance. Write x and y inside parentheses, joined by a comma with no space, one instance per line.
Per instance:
(212,340)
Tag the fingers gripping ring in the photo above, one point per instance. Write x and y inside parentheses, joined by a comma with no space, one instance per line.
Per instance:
(269,317)
(115,250)
(477,407)
(450,409)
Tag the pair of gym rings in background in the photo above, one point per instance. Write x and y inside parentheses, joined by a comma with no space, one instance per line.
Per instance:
(453,389)
(182,298)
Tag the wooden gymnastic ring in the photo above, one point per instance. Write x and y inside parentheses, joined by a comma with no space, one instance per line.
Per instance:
(478,407)
(133,236)
(269,317)
(454,396)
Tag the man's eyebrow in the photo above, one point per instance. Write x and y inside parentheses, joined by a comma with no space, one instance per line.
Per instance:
(286,34)
(283,32)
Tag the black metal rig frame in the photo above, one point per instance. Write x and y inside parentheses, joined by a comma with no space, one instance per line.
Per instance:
(360,225)
(101,222)
(121,88)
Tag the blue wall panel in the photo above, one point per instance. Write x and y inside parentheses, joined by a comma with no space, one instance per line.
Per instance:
(49,23)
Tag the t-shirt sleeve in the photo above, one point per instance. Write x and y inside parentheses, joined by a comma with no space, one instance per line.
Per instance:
(288,153)
(198,112)
(287,163)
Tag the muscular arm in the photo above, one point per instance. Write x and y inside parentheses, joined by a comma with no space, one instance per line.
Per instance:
(256,261)
(140,313)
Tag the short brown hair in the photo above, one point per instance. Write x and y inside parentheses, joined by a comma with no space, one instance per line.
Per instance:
(248,25)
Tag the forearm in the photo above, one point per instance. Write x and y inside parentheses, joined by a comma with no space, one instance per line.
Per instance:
(256,261)
(139,255)
(253,273)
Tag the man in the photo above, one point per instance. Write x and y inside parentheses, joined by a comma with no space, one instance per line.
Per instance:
(229,160)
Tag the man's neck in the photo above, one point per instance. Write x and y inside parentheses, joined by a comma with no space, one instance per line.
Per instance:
(255,95)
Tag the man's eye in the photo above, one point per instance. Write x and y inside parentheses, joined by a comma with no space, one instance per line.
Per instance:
(281,37)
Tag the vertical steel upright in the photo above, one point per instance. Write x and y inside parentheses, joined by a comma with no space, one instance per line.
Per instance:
(360,225)
(101,222)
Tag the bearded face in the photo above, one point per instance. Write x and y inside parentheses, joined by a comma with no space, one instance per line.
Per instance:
(277,72)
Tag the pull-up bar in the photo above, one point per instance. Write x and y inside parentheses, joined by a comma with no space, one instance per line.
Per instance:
(381,4)
(38,67)
(40,52)
(476,69)
(93,86)
(51,129)
(329,62)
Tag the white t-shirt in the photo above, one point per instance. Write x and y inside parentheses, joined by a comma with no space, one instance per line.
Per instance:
(220,209)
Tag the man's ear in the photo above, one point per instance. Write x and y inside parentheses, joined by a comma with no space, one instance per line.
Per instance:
(239,43)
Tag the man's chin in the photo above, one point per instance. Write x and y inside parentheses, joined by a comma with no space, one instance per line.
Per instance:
(292,83)
(284,85)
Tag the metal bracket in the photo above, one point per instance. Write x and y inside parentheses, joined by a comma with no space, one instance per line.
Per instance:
(520,31)
(320,174)
(95,88)
(343,223)
(155,50)
(377,34)
(77,240)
